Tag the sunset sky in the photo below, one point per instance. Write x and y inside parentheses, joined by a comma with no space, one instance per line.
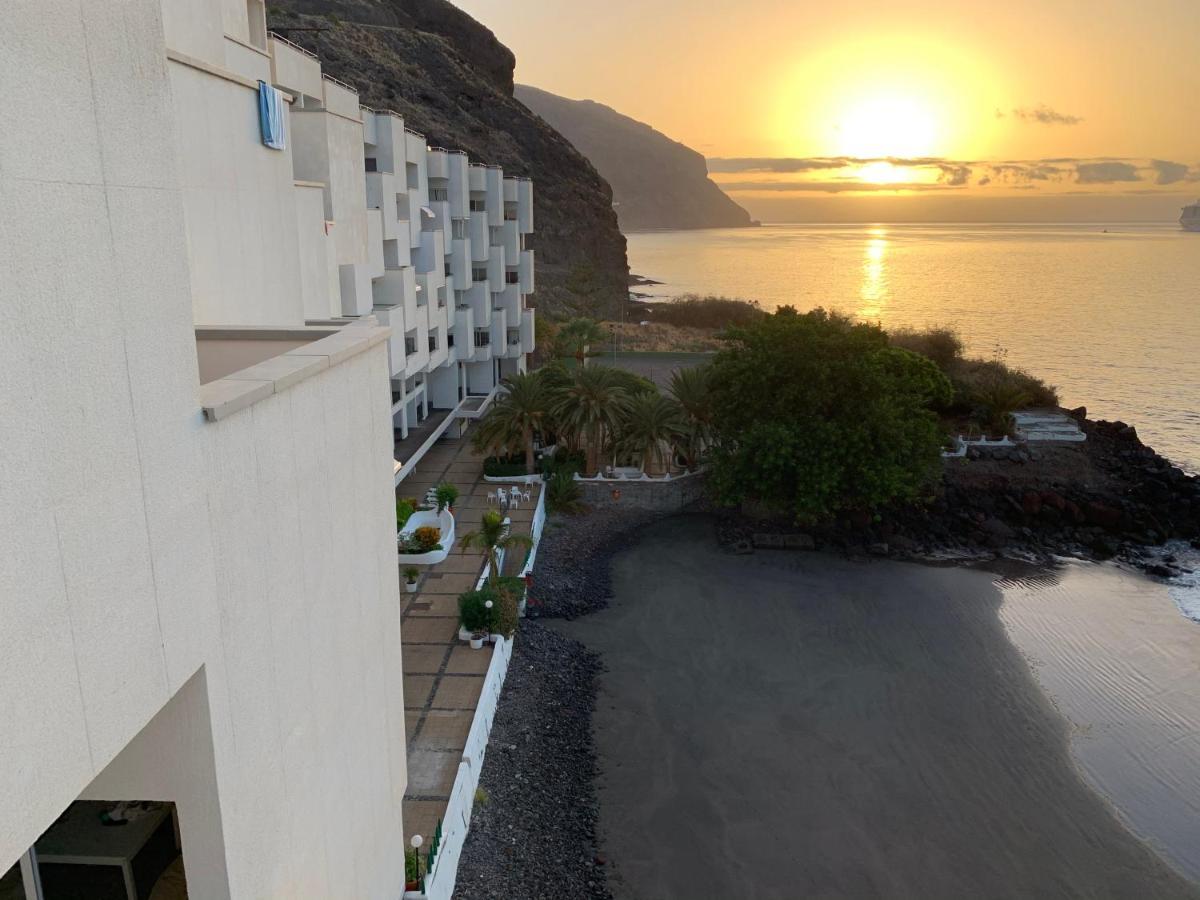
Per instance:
(1036,109)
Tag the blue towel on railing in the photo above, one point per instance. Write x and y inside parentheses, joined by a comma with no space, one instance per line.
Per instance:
(270,116)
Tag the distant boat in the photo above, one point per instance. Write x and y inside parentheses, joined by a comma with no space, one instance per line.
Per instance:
(1190,220)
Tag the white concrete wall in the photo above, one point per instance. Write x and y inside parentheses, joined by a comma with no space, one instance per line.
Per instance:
(238,202)
(141,546)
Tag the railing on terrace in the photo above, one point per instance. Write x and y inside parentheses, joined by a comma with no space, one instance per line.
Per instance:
(340,84)
(279,37)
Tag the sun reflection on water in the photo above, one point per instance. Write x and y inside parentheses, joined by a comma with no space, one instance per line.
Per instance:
(874,291)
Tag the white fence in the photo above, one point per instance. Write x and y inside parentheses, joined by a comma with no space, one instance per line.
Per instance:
(443,872)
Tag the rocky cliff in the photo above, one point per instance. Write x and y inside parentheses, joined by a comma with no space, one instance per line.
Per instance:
(453,81)
(657,182)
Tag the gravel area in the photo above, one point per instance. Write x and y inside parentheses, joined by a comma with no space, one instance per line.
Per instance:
(534,836)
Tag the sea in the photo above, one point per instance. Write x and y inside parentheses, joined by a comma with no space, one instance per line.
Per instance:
(1109,314)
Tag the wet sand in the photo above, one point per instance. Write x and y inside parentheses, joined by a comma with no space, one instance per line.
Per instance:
(786,725)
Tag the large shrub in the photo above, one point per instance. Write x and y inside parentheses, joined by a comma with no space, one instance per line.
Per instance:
(814,414)
(940,343)
(694,311)
(473,614)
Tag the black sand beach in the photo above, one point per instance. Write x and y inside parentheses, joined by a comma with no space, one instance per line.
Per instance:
(805,726)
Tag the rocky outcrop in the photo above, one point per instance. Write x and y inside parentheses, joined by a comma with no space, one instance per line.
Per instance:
(452,80)
(657,182)
(1111,496)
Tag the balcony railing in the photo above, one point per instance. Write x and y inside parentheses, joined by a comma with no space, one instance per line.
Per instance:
(483,338)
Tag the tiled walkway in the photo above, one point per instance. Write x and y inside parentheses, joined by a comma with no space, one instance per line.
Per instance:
(443,677)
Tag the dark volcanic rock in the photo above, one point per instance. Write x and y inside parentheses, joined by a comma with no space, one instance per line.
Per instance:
(535,834)
(452,80)
(657,182)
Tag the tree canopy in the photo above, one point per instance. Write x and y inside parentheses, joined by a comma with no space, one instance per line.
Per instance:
(815,414)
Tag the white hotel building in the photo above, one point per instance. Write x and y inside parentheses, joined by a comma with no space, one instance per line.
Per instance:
(211,351)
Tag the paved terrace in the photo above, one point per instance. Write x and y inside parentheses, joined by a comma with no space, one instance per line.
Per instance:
(443,677)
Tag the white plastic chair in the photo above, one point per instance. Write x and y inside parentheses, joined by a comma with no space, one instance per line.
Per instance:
(491,498)
(514,495)
(527,495)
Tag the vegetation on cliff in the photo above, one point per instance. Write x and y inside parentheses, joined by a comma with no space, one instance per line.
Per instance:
(452,80)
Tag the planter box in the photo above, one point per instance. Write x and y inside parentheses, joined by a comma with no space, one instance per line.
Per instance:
(444,522)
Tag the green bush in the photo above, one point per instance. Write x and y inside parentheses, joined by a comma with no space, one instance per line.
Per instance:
(446,493)
(561,461)
(814,414)
(975,380)
(510,590)
(503,467)
(404,511)
(473,613)
(563,493)
(939,343)
(694,311)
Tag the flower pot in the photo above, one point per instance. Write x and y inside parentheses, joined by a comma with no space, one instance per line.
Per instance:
(463,634)
(477,642)
(410,586)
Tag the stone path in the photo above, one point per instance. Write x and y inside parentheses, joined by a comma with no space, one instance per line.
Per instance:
(443,677)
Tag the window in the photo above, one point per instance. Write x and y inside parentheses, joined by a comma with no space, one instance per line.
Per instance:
(478,205)
(459,229)
(449,340)
(410,345)
(483,337)
(436,194)
(479,274)
(432,343)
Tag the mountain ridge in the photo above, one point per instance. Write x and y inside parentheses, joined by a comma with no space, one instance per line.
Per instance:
(657,182)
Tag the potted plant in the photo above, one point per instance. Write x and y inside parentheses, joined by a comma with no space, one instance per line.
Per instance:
(411,573)
(446,494)
(477,640)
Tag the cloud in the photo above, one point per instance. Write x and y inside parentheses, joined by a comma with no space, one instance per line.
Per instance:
(831,187)
(953,174)
(985,181)
(1106,172)
(1044,115)
(1168,172)
(782,165)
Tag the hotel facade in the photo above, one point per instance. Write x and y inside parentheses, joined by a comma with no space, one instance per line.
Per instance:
(226,339)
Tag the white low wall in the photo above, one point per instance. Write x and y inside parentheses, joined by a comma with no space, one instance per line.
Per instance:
(443,873)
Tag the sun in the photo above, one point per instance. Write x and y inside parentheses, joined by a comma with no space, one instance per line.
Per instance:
(888,126)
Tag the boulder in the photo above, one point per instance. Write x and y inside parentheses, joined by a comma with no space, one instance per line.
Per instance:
(1102,515)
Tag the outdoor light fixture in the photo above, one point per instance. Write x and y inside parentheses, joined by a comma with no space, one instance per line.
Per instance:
(416,842)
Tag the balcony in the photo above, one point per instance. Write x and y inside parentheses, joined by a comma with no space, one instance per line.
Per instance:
(340,98)
(483,338)
(293,68)
(239,366)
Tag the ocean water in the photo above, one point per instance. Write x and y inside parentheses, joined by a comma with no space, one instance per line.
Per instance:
(1112,319)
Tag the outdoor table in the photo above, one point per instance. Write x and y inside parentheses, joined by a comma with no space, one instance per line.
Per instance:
(79,839)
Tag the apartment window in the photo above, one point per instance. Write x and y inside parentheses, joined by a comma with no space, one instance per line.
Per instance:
(512,277)
(479,274)
(478,205)
(436,194)
(449,340)
(446,269)
(432,343)
(458,229)
(483,337)
(510,213)
(410,345)
(372,164)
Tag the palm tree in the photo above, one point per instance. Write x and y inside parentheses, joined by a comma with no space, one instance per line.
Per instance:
(494,535)
(652,426)
(579,335)
(591,405)
(691,389)
(520,411)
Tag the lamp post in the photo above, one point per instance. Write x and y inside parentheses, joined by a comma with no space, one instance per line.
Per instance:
(416,842)
(612,338)
(491,624)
